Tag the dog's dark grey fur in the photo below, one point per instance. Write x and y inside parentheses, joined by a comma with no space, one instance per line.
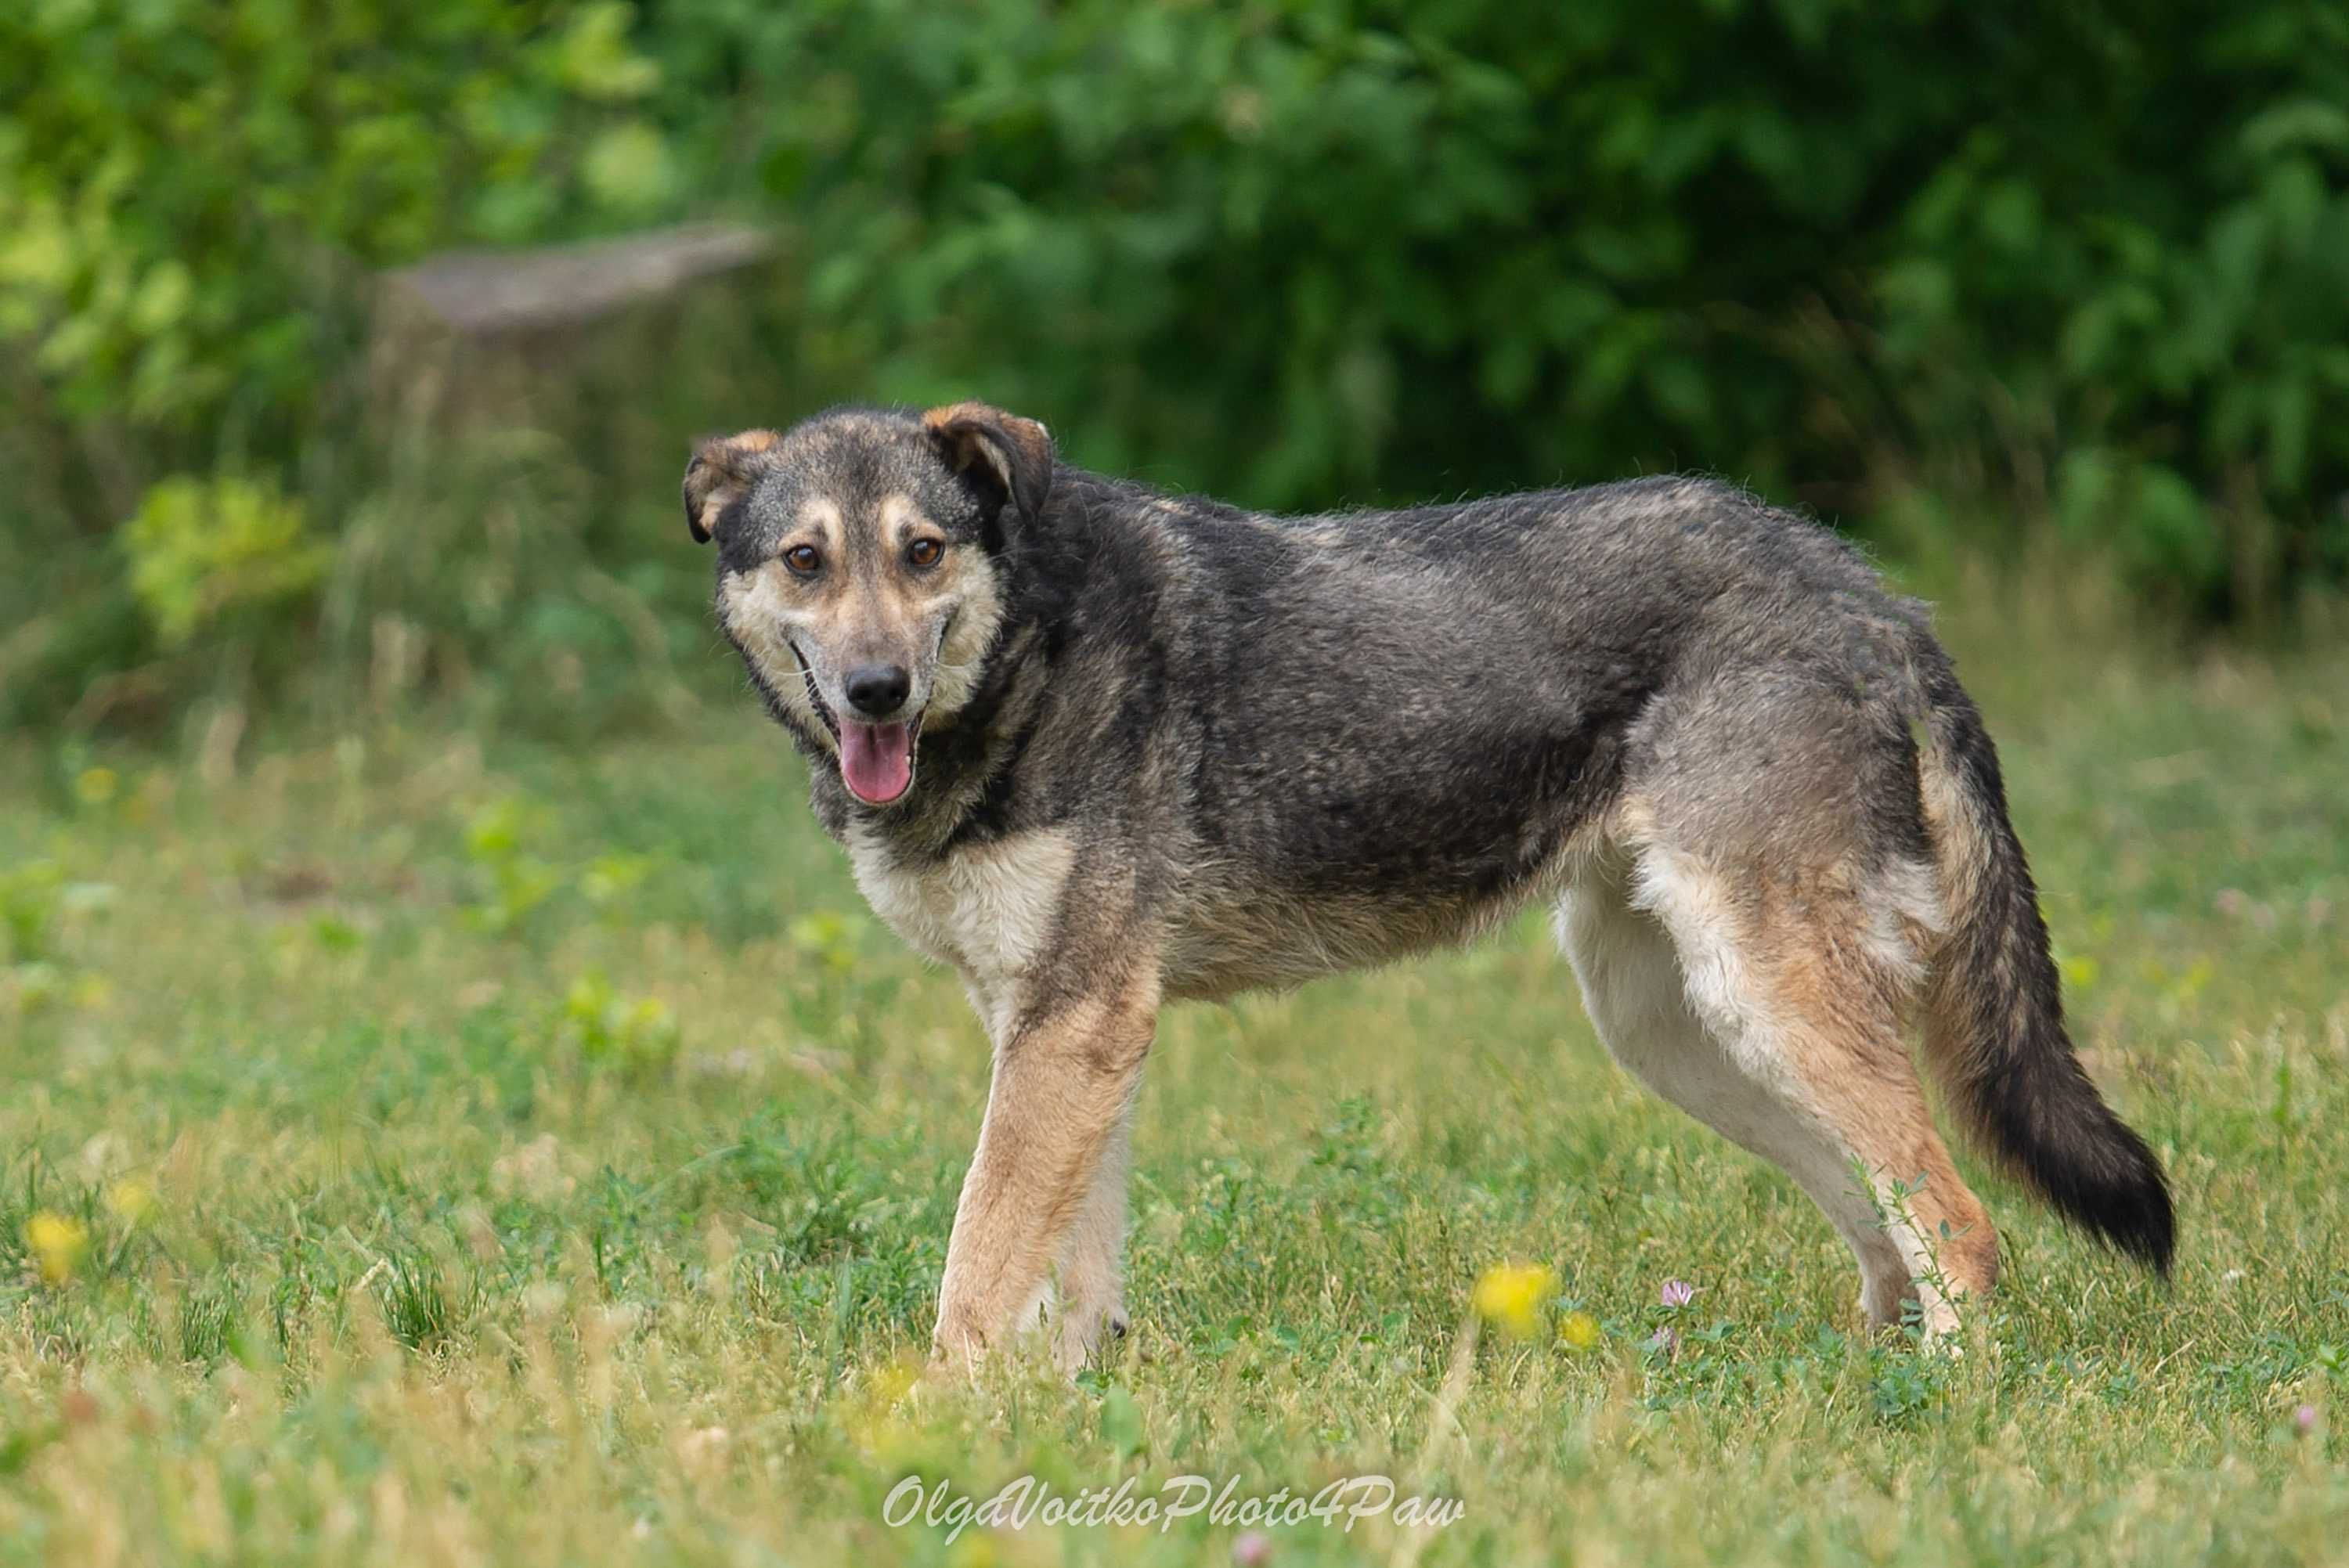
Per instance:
(1279,746)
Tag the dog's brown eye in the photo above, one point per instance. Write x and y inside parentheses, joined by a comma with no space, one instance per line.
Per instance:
(802,559)
(924,552)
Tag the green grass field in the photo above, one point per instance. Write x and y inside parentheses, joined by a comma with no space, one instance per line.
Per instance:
(419,1149)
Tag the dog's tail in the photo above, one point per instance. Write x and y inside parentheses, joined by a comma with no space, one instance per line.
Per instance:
(1995,1014)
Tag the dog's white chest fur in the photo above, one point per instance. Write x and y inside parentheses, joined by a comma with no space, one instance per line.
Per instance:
(986,909)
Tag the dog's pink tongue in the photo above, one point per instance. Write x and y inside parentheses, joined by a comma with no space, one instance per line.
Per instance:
(876,760)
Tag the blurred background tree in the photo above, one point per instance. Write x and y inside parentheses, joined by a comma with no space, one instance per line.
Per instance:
(1977,276)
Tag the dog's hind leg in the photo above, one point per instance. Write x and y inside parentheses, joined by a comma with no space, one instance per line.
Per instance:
(1783,1056)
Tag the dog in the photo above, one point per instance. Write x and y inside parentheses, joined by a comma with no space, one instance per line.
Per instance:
(1101,749)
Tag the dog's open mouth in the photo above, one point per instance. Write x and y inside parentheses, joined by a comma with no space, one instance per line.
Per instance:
(876,760)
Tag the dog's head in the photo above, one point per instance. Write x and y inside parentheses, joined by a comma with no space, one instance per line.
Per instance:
(860,568)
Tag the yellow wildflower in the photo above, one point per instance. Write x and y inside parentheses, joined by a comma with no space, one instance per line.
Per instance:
(874,1415)
(1511,1295)
(58,1244)
(96,785)
(131,1201)
(1578,1331)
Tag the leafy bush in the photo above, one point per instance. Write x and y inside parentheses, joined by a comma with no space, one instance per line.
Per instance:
(201,548)
(1337,249)
(190,190)
(2084,268)
(194,197)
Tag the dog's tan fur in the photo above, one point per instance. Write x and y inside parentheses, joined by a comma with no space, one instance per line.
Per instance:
(1774,1015)
(720,474)
(1046,1185)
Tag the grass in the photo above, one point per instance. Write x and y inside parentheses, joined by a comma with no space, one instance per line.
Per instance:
(423,1148)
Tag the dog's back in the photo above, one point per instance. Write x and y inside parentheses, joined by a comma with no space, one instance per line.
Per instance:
(1365,733)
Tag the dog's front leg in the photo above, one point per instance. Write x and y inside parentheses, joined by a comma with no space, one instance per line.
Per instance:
(1089,1271)
(1065,1075)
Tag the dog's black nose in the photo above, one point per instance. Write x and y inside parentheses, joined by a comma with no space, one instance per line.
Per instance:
(877,691)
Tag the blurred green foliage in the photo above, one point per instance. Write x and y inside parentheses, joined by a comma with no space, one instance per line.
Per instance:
(187,185)
(2086,260)
(2083,268)
(201,548)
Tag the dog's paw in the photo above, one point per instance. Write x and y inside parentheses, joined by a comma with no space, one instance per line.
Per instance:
(1079,1342)
(956,1352)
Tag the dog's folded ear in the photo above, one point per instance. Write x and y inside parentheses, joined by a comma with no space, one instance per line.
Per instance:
(719,475)
(1001,451)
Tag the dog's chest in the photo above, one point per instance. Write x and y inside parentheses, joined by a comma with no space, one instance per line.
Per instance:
(989,909)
